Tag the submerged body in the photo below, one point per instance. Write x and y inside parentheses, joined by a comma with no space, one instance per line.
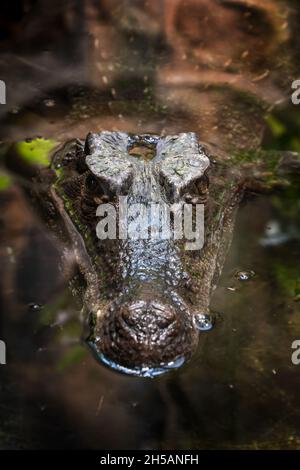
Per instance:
(146,299)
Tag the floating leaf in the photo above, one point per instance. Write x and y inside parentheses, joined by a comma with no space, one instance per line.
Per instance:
(36,151)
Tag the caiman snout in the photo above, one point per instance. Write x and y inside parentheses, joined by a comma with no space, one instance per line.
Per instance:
(146,337)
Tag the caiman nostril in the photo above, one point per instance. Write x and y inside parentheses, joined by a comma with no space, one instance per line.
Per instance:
(164,322)
(141,315)
(131,314)
(127,316)
(165,314)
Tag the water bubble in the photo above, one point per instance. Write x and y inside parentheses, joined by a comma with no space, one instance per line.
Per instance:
(15,110)
(203,322)
(244,275)
(49,103)
(35,307)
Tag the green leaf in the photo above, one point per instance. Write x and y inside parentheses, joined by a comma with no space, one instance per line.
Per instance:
(37,151)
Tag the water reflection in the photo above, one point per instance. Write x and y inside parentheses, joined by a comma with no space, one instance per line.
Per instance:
(149,67)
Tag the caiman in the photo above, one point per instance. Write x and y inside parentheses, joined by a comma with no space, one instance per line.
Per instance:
(147,300)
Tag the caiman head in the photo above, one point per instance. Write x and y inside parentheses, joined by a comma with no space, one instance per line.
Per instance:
(147,291)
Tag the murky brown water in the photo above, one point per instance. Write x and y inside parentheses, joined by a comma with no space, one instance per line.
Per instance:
(223,70)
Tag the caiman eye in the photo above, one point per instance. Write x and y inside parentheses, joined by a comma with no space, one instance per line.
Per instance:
(202,184)
(197,192)
(93,184)
(96,190)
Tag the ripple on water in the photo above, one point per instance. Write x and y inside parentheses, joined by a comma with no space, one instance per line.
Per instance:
(244,275)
